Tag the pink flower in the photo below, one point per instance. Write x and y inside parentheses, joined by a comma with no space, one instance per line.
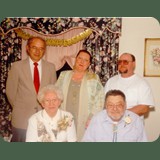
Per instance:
(105,59)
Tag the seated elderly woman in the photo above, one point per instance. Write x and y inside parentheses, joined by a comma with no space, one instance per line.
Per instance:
(51,124)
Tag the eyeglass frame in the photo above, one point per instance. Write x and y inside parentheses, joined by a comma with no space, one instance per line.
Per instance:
(117,106)
(49,101)
(34,48)
(125,62)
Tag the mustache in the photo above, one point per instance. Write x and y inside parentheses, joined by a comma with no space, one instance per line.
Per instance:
(124,71)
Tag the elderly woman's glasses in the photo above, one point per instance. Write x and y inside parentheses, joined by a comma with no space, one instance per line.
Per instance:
(49,101)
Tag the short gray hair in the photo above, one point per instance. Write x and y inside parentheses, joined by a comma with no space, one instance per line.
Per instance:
(49,88)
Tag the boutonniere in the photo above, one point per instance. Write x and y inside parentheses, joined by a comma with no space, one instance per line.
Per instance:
(64,122)
(127,120)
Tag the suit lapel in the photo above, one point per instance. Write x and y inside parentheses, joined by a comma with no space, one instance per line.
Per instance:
(44,71)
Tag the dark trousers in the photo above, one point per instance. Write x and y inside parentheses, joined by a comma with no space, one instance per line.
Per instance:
(18,135)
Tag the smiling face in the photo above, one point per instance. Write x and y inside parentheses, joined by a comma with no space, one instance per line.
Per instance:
(126,65)
(115,107)
(82,61)
(51,103)
(36,49)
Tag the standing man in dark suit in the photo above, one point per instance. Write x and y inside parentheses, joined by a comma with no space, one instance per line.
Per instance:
(20,88)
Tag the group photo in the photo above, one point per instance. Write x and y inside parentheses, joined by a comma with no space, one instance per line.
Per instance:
(79,79)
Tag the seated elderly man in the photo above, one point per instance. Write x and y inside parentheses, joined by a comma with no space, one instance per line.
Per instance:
(115,123)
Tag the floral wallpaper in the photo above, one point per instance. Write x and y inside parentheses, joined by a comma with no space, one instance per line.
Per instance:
(104,49)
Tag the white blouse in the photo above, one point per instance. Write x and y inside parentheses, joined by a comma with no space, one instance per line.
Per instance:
(60,128)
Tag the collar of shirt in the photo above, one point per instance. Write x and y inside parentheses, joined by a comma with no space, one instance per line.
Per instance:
(32,67)
(50,121)
(48,118)
(107,119)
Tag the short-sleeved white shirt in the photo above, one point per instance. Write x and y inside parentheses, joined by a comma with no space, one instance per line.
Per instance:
(135,88)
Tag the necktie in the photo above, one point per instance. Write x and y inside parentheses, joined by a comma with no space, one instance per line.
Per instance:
(115,127)
(36,77)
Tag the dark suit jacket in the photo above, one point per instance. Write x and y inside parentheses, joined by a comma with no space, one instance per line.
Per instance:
(21,92)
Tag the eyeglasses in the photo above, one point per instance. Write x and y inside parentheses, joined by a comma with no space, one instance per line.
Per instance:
(125,62)
(117,106)
(34,48)
(49,101)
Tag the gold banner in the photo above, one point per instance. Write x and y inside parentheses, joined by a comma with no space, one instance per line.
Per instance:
(58,42)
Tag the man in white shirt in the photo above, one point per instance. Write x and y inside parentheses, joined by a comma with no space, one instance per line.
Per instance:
(115,123)
(137,91)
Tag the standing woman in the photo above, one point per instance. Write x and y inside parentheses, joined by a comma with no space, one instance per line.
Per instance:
(83,92)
